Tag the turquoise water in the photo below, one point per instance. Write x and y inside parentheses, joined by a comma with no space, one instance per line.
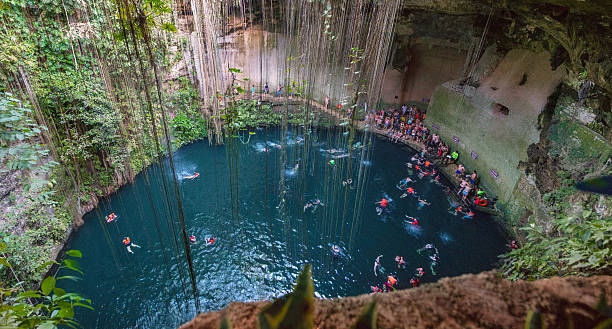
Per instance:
(263,235)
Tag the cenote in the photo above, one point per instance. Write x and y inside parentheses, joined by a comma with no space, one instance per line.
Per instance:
(263,235)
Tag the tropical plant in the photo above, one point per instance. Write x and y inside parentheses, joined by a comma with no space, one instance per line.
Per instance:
(18,133)
(47,308)
(574,246)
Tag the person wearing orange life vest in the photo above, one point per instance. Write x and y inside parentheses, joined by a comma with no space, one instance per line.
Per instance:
(127,242)
(210,241)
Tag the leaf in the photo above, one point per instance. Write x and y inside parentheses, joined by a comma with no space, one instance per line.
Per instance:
(44,265)
(534,320)
(28,294)
(602,305)
(74,253)
(73,265)
(59,291)
(367,318)
(225,323)
(47,285)
(294,310)
(605,324)
(47,325)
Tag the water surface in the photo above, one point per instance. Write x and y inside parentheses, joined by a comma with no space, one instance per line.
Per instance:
(263,235)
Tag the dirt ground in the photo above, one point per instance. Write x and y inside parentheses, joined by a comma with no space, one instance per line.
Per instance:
(470,301)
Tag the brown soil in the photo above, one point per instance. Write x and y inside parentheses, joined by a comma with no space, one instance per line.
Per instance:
(470,301)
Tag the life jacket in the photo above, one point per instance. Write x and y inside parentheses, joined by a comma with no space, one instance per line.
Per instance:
(212,240)
(459,209)
(192,238)
(417,167)
(410,190)
(426,163)
(391,280)
(127,241)
(470,214)
(196,174)
(384,202)
(415,222)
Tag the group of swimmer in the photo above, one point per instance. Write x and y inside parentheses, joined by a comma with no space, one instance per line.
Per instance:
(313,205)
(128,244)
(392,280)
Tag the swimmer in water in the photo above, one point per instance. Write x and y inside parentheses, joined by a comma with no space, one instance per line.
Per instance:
(127,242)
(377,265)
(332,162)
(401,263)
(420,272)
(111,218)
(192,239)
(209,240)
(308,205)
(347,182)
(423,203)
(469,215)
(409,190)
(375,290)
(317,202)
(192,176)
(335,250)
(412,220)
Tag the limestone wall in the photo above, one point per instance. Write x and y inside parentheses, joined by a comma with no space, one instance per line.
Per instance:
(472,116)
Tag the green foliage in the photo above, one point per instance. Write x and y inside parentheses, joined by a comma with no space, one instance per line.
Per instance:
(573,246)
(367,319)
(294,310)
(17,129)
(188,125)
(225,323)
(50,307)
(534,320)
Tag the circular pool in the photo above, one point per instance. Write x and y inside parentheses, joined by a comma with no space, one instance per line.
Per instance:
(252,195)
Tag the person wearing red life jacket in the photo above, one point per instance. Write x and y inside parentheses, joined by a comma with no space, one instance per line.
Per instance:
(127,242)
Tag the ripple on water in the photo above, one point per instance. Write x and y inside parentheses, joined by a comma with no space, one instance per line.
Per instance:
(259,248)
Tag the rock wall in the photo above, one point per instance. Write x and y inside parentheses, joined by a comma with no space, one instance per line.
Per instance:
(469,301)
(497,120)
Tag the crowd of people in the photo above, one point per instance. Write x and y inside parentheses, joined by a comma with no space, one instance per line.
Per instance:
(407,125)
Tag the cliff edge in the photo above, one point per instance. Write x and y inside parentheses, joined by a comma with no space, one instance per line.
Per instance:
(470,301)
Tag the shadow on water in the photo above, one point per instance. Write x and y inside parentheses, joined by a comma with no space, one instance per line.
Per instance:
(258,254)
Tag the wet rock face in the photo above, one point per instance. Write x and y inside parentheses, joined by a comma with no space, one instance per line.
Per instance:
(544,166)
(469,301)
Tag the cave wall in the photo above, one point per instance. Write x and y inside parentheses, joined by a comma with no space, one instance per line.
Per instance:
(429,66)
(471,115)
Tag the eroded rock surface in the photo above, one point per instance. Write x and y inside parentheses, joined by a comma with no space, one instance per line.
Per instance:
(470,301)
